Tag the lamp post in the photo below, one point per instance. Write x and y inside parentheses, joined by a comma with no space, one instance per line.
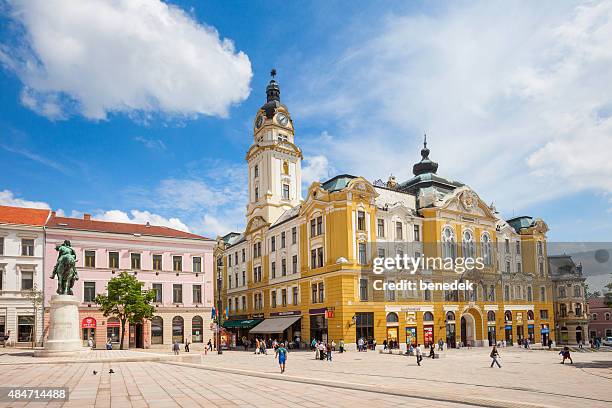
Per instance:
(219,302)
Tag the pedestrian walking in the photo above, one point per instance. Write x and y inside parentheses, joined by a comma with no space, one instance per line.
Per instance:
(384,344)
(281,353)
(432,351)
(90,343)
(187,345)
(313,344)
(419,354)
(176,348)
(440,345)
(565,353)
(322,349)
(329,352)
(341,345)
(494,355)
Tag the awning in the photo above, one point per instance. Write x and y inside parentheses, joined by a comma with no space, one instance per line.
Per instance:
(241,324)
(275,325)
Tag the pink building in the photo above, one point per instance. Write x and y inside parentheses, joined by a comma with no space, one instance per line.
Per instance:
(178,265)
(600,325)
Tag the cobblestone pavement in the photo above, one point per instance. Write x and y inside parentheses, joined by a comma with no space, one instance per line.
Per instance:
(527,378)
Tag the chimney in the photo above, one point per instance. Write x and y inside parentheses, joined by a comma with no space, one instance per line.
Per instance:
(148,224)
(87,217)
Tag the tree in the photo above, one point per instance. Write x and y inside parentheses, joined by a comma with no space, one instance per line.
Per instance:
(126,300)
(36,298)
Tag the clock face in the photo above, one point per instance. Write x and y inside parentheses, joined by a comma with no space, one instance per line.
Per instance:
(259,121)
(282,119)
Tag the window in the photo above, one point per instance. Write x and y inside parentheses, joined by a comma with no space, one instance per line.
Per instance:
(577,291)
(518,247)
(295,299)
(390,294)
(177,293)
(314,293)
(320,257)
(361,221)
(561,292)
(284,297)
(283,239)
(243,255)
(283,267)
(508,267)
(468,245)
(543,314)
(157,262)
(135,258)
(273,298)
(256,171)
(257,250)
(243,278)
(197,329)
(273,244)
(518,267)
(313,227)
(177,263)
(197,293)
(273,270)
(244,303)
(1,245)
(543,293)
(25,328)
(229,281)
(540,248)
(90,259)
(113,260)
(364,324)
(594,316)
(89,291)
(257,274)
(508,316)
(295,266)
(607,316)
(427,294)
(417,233)
(578,310)
(178,326)
(486,248)
(319,225)
(316,258)
(321,292)
(492,293)
(27,280)
(363,289)
(428,317)
(112,329)
(158,289)
(380,227)
(27,247)
(293,235)
(362,254)
(381,252)
(448,243)
(285,191)
(507,245)
(563,310)
(541,268)
(506,292)
(197,264)
(398,230)
(529,294)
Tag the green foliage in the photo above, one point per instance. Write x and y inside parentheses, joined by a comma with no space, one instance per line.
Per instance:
(608,296)
(126,300)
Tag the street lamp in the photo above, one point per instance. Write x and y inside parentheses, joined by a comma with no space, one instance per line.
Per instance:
(219,302)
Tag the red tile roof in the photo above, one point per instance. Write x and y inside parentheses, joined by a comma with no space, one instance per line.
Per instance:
(118,228)
(23,216)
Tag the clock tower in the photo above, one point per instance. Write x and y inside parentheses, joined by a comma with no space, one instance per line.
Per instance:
(275,162)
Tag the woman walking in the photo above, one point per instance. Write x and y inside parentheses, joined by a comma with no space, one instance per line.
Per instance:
(494,355)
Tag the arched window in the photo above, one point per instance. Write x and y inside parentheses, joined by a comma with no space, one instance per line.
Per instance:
(577,291)
(594,316)
(449,241)
(491,316)
(450,316)
(530,315)
(178,332)
(486,248)
(607,316)
(197,329)
(428,317)
(508,316)
(392,318)
(578,309)
(467,245)
(157,330)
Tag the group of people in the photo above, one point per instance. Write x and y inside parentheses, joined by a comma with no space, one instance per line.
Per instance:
(391,344)
(92,344)
(323,350)
(362,344)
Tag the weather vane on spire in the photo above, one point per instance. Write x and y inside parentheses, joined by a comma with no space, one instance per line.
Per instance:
(425,139)
(273,73)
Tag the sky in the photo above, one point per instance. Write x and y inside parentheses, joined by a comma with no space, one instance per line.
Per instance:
(142,110)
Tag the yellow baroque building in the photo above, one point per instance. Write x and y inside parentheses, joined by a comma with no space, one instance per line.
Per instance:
(303,268)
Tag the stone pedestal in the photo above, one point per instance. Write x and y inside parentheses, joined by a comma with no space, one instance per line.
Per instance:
(64,339)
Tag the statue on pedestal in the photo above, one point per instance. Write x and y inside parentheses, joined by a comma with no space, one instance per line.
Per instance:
(65,268)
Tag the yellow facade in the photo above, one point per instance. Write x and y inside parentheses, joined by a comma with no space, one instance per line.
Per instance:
(344,223)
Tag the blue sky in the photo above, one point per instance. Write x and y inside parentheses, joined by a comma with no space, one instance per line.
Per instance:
(143,111)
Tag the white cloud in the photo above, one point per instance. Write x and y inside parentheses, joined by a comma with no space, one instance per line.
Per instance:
(153,144)
(315,168)
(140,217)
(7,197)
(136,56)
(505,96)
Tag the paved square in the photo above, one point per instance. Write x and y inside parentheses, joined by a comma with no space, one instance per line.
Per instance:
(458,378)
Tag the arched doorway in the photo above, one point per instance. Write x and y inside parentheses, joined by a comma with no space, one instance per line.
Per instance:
(392,329)
(157,330)
(197,327)
(178,332)
(579,335)
(469,332)
(450,330)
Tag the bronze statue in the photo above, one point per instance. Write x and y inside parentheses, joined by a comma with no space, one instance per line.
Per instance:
(65,269)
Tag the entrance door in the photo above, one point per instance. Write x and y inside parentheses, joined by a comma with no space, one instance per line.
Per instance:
(89,333)
(519,333)
(491,336)
(392,334)
(509,335)
(578,335)
(136,335)
(451,335)
(463,331)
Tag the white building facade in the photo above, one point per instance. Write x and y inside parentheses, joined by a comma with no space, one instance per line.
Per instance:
(22,243)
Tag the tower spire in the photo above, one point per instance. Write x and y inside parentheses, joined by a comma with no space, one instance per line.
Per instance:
(272,90)
(425,165)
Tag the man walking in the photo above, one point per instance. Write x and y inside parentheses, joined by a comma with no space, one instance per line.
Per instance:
(495,355)
(281,352)
(176,347)
(419,354)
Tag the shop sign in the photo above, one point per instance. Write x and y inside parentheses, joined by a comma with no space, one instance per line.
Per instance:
(88,323)
(410,309)
(329,314)
(113,324)
(320,310)
(287,313)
